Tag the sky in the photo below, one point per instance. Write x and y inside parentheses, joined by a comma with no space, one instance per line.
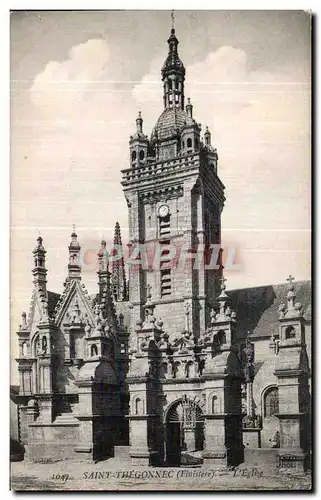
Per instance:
(78,80)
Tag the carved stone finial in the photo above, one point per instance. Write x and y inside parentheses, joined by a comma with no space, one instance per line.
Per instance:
(23,325)
(290,279)
(223,281)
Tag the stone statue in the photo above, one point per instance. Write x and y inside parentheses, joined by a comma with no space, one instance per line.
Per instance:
(44,345)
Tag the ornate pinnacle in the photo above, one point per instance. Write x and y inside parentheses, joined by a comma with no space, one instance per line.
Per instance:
(23,325)
(291,294)
(102,251)
(39,241)
(139,123)
(223,281)
(290,279)
(213,316)
(118,275)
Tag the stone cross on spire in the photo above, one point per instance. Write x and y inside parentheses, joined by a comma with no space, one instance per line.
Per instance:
(290,279)
(173,19)
(223,281)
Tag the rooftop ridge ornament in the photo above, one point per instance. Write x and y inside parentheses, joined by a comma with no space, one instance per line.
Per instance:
(291,293)
(223,280)
(223,294)
(173,20)
(24,324)
(292,308)
(290,279)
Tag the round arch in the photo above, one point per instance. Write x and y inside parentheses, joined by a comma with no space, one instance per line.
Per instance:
(198,405)
(264,393)
(184,430)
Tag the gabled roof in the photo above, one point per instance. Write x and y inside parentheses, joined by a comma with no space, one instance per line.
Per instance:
(257,308)
(73,288)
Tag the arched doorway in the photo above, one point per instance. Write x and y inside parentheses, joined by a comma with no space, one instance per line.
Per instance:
(184,430)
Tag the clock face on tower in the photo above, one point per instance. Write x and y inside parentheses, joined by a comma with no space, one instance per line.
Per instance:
(163,211)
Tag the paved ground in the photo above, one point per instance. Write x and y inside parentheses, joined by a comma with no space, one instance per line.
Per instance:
(116,475)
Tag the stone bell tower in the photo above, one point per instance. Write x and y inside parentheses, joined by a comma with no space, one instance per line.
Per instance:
(293,372)
(175,200)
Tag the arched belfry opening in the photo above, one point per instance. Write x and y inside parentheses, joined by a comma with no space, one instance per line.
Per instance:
(184,431)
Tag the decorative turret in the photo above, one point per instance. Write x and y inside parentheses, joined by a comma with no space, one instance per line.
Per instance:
(207,137)
(118,275)
(138,144)
(291,317)
(39,271)
(210,152)
(222,323)
(74,267)
(189,108)
(190,136)
(292,372)
(99,340)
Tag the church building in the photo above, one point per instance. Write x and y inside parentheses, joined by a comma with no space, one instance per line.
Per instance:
(164,364)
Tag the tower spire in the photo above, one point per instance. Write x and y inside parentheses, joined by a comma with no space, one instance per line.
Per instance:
(173,74)
(74,267)
(118,275)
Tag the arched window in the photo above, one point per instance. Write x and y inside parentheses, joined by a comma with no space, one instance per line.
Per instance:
(134,155)
(196,144)
(271,402)
(221,336)
(138,406)
(189,369)
(163,370)
(176,368)
(93,350)
(215,407)
(290,332)
(141,154)
(189,142)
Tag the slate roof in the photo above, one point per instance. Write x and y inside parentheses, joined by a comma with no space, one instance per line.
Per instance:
(256,308)
(171,122)
(52,301)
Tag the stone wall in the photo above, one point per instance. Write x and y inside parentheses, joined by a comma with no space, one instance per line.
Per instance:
(52,442)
